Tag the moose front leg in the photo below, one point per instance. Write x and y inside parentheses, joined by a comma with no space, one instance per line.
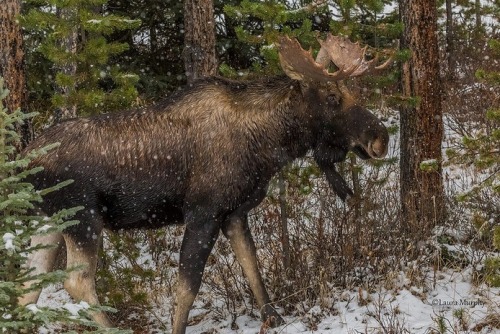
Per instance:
(235,228)
(199,239)
(41,261)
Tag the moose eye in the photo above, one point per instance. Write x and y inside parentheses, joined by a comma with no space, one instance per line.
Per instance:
(333,99)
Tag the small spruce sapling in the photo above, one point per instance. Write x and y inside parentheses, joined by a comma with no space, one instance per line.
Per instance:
(18,224)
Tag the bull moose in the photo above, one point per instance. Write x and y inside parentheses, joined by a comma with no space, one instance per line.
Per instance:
(203,157)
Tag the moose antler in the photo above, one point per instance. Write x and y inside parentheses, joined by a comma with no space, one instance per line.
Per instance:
(347,56)
(341,52)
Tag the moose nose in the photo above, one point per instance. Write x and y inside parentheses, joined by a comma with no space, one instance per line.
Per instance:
(379,148)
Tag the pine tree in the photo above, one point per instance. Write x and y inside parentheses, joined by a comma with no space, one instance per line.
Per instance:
(72,36)
(155,47)
(259,23)
(481,150)
(18,224)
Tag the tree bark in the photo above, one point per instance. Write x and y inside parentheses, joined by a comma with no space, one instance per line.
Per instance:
(285,236)
(200,58)
(450,40)
(422,193)
(12,63)
(477,12)
(70,44)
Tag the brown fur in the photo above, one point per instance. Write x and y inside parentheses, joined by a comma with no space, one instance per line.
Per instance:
(203,157)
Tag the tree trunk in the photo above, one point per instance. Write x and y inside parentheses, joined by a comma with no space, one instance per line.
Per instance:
(477,12)
(12,63)
(199,52)
(70,44)
(422,194)
(450,40)
(285,237)
(356,187)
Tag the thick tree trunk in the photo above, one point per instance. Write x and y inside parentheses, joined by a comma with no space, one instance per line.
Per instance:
(199,26)
(422,194)
(12,62)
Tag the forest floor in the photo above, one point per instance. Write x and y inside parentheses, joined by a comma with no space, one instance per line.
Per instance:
(418,300)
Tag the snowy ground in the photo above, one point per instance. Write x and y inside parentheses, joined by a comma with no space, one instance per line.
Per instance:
(404,309)
(447,299)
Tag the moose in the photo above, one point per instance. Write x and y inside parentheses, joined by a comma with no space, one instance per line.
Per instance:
(203,157)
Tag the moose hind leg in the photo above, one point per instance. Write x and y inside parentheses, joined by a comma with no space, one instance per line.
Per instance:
(80,283)
(236,229)
(42,261)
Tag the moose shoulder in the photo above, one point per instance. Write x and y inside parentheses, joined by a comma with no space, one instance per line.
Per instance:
(203,157)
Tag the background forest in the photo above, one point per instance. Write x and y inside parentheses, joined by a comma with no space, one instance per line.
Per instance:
(331,267)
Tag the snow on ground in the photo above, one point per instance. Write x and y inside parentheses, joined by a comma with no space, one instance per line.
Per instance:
(446,295)
(409,309)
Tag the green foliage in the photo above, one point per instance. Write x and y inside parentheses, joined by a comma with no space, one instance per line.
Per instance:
(124,273)
(492,271)
(481,148)
(496,237)
(393,129)
(301,177)
(260,24)
(482,151)
(491,234)
(18,224)
(154,47)
(429,165)
(462,317)
(71,37)
(137,265)
(442,327)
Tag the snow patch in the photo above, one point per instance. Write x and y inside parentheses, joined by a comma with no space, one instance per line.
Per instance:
(43,229)
(75,308)
(33,308)
(8,240)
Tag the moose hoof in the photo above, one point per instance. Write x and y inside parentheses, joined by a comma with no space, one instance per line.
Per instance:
(271,318)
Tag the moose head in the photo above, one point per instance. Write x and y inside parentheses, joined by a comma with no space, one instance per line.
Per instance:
(347,125)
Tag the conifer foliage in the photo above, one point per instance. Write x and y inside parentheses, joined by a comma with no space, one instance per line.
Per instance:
(481,149)
(18,224)
(74,42)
